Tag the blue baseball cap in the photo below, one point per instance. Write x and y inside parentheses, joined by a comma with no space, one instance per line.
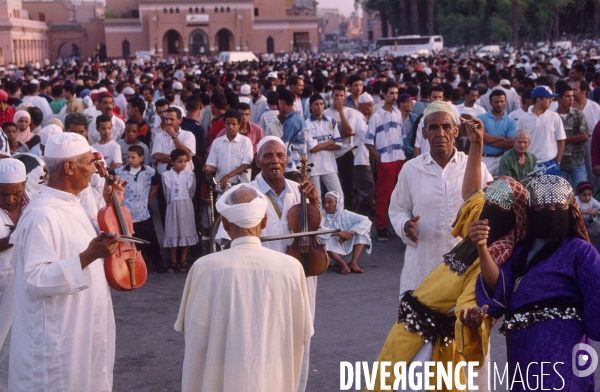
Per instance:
(542,91)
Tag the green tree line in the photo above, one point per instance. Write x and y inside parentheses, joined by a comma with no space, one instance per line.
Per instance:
(472,22)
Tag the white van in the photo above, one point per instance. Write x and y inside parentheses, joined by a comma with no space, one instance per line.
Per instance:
(488,50)
(562,45)
(234,57)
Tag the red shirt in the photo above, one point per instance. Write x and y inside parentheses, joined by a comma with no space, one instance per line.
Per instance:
(216,126)
(7,115)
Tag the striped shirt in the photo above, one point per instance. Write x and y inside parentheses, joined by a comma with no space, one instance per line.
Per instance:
(385,133)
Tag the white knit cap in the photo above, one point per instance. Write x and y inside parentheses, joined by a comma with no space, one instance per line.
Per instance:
(245,89)
(246,215)
(365,98)
(267,139)
(48,131)
(66,145)
(12,171)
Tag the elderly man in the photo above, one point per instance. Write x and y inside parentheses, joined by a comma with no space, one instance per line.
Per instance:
(63,337)
(428,196)
(232,342)
(517,161)
(13,200)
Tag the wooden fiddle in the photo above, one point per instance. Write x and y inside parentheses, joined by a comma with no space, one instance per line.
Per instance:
(305,217)
(125,270)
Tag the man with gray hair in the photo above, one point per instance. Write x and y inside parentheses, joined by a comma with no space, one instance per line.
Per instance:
(517,161)
(232,340)
(63,336)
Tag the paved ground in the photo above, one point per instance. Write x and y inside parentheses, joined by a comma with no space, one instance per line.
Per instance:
(354,314)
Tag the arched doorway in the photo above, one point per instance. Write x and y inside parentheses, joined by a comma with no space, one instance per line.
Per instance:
(270,45)
(126,48)
(68,50)
(172,42)
(225,40)
(198,43)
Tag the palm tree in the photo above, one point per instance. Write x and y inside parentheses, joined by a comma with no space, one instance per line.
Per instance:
(515,23)
(414,15)
(430,21)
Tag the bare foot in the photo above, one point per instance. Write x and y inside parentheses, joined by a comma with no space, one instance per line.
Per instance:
(345,270)
(356,268)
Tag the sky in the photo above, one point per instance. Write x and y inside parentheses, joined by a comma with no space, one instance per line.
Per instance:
(346,7)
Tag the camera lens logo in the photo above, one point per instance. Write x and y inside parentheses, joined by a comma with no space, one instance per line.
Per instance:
(580,359)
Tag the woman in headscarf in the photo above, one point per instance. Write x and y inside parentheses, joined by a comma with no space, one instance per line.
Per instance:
(548,291)
(23,120)
(354,236)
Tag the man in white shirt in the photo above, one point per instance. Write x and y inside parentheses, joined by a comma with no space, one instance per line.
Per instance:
(258,102)
(37,101)
(297,87)
(63,336)
(428,196)
(107,104)
(525,105)
(546,130)
(363,176)
(346,120)
(470,106)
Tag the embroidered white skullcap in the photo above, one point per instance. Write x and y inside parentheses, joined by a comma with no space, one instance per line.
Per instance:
(48,131)
(12,171)
(246,215)
(438,106)
(365,98)
(267,139)
(66,145)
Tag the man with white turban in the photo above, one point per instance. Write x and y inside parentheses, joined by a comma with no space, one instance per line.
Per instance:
(428,195)
(13,200)
(233,342)
(63,336)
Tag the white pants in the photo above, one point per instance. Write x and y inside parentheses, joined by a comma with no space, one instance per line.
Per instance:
(331,182)
(493,164)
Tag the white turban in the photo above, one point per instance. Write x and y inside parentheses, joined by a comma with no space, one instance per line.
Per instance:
(438,106)
(267,139)
(66,145)
(246,215)
(48,131)
(365,98)
(12,171)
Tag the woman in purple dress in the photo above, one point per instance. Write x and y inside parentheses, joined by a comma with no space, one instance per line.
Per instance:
(548,292)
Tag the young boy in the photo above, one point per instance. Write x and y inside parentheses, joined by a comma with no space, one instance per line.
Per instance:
(230,155)
(11,132)
(110,150)
(130,138)
(142,184)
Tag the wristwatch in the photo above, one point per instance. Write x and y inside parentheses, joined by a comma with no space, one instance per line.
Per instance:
(174,136)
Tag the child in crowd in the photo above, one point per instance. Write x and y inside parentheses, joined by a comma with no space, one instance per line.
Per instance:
(110,150)
(142,184)
(130,138)
(588,206)
(11,131)
(355,234)
(180,225)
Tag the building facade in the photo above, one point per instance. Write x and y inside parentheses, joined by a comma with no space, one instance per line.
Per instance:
(21,39)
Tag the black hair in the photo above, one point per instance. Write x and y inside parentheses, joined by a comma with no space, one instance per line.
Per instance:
(231,113)
(138,150)
(102,119)
(176,153)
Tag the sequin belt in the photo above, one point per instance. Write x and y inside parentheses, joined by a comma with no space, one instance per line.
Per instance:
(424,321)
(538,313)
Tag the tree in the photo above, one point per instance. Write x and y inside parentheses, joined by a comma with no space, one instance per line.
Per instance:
(430,19)
(414,15)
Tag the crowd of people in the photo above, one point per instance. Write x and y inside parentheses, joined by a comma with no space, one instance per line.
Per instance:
(410,142)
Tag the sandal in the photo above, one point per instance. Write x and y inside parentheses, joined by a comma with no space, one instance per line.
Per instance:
(171,268)
(183,267)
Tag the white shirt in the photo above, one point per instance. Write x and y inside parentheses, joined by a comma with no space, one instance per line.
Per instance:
(474,111)
(227,156)
(593,204)
(516,114)
(266,117)
(318,132)
(386,134)
(274,128)
(298,106)
(111,152)
(544,131)
(591,111)
(40,103)
(347,142)
(121,101)
(420,140)
(257,108)
(164,144)
(7,277)
(63,336)
(118,128)
(361,157)
(232,340)
(179,186)
(425,189)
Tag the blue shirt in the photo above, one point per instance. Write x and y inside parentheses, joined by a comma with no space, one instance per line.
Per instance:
(294,137)
(504,126)
(138,190)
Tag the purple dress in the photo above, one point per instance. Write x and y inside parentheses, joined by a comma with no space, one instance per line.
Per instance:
(570,276)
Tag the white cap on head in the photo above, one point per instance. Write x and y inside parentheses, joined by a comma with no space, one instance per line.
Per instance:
(34,81)
(246,215)
(272,75)
(365,98)
(267,139)
(47,131)
(66,145)
(245,89)
(12,171)
(177,86)
(128,91)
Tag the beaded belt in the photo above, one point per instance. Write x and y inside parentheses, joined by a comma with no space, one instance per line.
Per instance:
(537,314)
(424,321)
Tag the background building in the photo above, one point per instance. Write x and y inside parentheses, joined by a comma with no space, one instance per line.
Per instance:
(21,39)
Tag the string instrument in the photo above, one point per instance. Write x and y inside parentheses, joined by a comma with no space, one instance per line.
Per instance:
(303,218)
(125,270)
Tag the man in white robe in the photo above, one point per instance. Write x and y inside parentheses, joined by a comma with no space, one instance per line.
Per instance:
(13,200)
(428,196)
(63,335)
(232,340)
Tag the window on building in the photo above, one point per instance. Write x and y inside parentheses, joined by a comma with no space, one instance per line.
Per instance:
(171,10)
(42,17)
(222,9)
(165,10)
(126,48)
(135,14)
(216,9)
(191,10)
(197,10)
(256,12)
(202,10)
(177,10)
(228,9)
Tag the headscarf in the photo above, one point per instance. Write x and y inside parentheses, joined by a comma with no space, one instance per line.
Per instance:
(335,220)
(245,215)
(26,135)
(501,193)
(438,106)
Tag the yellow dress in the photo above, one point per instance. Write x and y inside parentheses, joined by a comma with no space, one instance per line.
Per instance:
(442,290)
